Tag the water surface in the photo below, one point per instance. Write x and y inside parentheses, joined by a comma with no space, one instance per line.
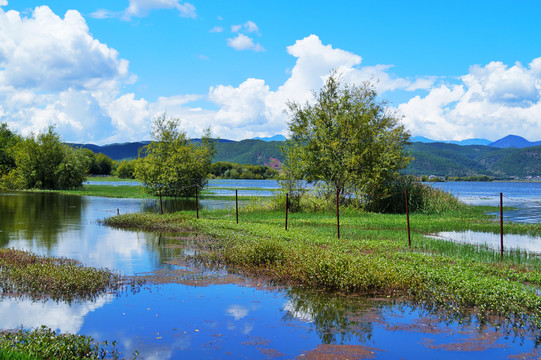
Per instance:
(197,313)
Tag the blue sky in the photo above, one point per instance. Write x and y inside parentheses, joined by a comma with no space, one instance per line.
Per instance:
(101,70)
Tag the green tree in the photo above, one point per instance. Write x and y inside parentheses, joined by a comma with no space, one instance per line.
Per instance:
(44,162)
(8,140)
(346,139)
(126,169)
(172,164)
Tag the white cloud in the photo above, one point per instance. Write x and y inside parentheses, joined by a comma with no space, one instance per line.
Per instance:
(243,42)
(141,8)
(216,29)
(252,109)
(104,14)
(3,2)
(491,101)
(251,26)
(47,53)
(52,71)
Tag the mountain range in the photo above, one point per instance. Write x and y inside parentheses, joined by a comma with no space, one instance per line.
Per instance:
(511,156)
(505,142)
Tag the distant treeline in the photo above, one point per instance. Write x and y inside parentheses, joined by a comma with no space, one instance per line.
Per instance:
(227,170)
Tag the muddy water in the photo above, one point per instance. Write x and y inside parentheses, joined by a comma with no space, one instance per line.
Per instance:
(186,312)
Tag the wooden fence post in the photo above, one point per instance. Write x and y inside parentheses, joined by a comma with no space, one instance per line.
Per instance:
(501,226)
(408,218)
(287,206)
(337,213)
(161,205)
(237,204)
(196,203)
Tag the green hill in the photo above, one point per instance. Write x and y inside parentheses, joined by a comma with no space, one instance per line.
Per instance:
(440,159)
(255,152)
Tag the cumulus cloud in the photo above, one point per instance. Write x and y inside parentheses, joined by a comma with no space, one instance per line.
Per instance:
(253,109)
(243,42)
(490,102)
(52,71)
(48,53)
(140,8)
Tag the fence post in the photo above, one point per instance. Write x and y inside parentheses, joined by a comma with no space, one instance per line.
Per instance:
(408,218)
(337,213)
(287,206)
(161,205)
(196,203)
(501,226)
(237,204)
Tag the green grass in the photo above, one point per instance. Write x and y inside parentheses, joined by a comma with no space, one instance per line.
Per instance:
(372,256)
(16,355)
(25,274)
(109,179)
(44,344)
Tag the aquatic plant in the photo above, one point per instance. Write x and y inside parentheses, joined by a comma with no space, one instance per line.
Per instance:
(25,274)
(44,343)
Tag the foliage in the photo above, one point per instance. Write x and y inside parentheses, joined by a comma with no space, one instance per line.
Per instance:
(8,140)
(44,343)
(44,162)
(100,164)
(254,152)
(126,169)
(172,165)
(227,170)
(24,273)
(347,139)
(421,198)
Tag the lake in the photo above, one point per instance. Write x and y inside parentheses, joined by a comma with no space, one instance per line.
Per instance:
(214,314)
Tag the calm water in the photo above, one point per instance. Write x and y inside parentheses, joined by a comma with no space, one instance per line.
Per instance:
(212,315)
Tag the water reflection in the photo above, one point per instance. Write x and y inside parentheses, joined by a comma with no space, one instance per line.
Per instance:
(59,316)
(40,218)
(511,241)
(336,318)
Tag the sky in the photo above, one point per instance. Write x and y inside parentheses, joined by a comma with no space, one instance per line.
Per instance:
(100,71)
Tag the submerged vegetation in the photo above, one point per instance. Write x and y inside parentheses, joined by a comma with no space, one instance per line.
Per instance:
(372,256)
(37,277)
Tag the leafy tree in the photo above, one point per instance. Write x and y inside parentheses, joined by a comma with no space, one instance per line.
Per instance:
(347,139)
(8,140)
(44,162)
(102,165)
(173,165)
(126,169)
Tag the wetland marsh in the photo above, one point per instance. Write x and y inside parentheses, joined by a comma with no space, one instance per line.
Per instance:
(197,309)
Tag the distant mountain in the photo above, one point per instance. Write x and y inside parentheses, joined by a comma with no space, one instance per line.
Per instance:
(426,140)
(122,151)
(429,158)
(255,152)
(514,141)
(278,137)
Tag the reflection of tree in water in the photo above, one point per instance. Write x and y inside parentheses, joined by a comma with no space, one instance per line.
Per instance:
(169,205)
(167,247)
(37,216)
(337,319)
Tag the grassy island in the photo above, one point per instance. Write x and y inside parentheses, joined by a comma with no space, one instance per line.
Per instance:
(372,257)
(23,274)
